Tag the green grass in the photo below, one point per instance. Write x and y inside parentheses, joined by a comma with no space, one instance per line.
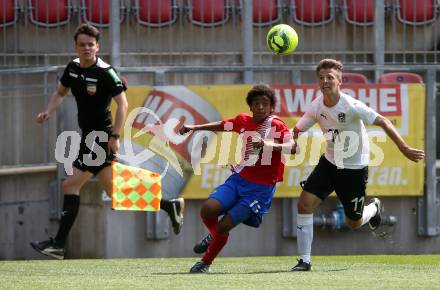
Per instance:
(329,272)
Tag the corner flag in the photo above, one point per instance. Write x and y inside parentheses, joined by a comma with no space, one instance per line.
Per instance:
(135,188)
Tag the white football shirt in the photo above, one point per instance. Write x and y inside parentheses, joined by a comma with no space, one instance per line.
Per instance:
(343,128)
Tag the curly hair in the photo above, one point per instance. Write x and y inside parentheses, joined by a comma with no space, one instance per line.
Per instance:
(261,90)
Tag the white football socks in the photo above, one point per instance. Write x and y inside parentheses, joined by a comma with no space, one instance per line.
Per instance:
(369,212)
(304,231)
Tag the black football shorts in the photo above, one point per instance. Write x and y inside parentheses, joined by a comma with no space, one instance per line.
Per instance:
(349,184)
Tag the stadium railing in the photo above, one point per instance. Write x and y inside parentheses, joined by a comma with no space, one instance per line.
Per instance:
(177,43)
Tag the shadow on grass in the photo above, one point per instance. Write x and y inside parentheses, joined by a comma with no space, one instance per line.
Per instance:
(220,273)
(247,273)
(333,270)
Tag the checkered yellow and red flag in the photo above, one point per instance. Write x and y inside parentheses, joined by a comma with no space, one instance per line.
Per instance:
(135,188)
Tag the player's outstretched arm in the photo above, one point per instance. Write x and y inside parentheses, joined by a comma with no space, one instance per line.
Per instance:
(295,135)
(56,99)
(289,146)
(214,126)
(409,152)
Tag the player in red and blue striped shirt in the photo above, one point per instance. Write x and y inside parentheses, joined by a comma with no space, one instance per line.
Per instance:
(247,194)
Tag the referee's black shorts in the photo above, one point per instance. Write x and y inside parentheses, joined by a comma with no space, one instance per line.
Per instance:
(349,184)
(90,153)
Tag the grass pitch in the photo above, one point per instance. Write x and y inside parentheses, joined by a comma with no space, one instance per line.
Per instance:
(329,272)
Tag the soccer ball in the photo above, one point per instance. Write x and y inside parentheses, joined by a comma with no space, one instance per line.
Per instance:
(282,39)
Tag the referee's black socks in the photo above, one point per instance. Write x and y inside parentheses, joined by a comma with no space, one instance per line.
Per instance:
(68,216)
(166,205)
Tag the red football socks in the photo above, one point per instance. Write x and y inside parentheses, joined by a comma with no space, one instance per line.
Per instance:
(216,245)
(211,224)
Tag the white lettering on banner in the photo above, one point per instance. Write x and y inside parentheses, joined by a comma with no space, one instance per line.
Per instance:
(278,101)
(369,99)
(206,176)
(213,176)
(300,101)
(390,100)
(383,176)
(386,176)
(385,99)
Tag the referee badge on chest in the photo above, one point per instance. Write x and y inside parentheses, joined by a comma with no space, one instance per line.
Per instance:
(341,117)
(91,89)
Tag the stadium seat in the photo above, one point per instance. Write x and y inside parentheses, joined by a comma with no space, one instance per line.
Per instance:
(265,12)
(312,12)
(359,12)
(400,77)
(155,13)
(97,12)
(50,13)
(354,78)
(416,12)
(208,13)
(8,12)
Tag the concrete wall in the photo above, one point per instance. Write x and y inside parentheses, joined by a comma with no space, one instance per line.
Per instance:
(22,97)
(24,214)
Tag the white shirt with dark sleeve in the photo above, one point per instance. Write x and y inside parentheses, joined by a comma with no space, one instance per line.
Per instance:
(340,125)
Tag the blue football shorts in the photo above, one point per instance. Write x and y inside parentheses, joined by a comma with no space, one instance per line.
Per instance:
(246,202)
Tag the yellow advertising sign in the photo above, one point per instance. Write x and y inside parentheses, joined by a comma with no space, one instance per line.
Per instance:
(204,158)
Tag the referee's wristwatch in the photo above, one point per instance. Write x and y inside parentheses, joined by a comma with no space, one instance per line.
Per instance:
(115,135)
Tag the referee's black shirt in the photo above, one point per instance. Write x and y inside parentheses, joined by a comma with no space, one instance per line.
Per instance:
(93,88)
